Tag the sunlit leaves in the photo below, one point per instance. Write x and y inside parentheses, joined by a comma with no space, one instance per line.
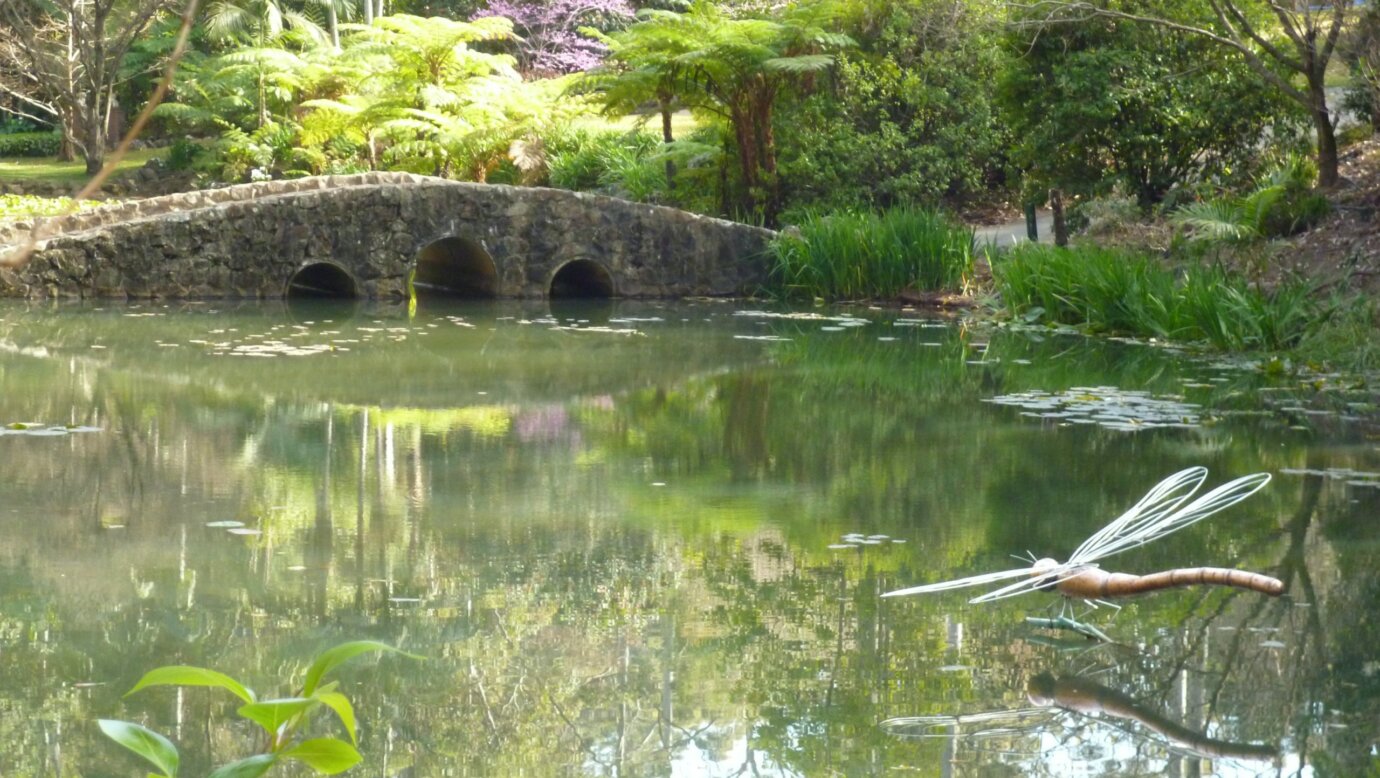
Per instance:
(249,767)
(342,707)
(179,675)
(143,741)
(341,654)
(272,714)
(14,206)
(325,755)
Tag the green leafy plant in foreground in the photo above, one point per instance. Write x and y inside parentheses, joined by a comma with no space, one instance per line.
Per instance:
(283,720)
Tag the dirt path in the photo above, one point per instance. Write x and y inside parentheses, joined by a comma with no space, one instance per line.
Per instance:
(1007,235)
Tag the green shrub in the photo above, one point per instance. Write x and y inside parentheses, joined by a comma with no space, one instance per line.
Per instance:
(1347,338)
(1282,204)
(1095,102)
(10,124)
(30,144)
(183,153)
(1112,290)
(587,161)
(845,255)
(907,118)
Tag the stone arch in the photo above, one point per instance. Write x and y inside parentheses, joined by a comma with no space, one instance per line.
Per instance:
(456,267)
(581,278)
(322,280)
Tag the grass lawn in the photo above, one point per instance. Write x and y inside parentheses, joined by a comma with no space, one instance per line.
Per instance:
(19,169)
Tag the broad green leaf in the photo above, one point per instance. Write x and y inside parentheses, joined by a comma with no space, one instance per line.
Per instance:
(272,714)
(332,658)
(158,750)
(325,755)
(252,767)
(180,675)
(342,707)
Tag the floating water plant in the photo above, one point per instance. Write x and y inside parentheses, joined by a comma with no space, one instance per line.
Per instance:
(859,540)
(1106,406)
(41,430)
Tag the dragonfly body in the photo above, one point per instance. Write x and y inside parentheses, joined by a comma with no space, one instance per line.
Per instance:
(1161,511)
(1093,583)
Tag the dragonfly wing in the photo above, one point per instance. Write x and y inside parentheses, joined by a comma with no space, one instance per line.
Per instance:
(960,583)
(1052,576)
(1140,532)
(1157,503)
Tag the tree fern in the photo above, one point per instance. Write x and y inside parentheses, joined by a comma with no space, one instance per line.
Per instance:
(1216,220)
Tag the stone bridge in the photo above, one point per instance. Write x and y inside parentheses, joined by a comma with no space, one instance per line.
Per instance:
(366,235)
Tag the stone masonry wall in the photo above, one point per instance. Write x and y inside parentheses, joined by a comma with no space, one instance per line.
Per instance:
(247,241)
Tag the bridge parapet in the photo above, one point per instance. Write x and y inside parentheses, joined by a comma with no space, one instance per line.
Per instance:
(375,230)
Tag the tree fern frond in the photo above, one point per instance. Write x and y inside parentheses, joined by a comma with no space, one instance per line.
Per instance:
(807,63)
(1222,220)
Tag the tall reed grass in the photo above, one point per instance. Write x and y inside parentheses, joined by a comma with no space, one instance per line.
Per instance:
(1113,290)
(850,256)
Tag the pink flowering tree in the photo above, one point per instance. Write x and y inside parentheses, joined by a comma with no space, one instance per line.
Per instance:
(551,42)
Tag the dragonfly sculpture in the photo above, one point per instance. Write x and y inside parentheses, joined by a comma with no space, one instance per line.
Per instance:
(1159,512)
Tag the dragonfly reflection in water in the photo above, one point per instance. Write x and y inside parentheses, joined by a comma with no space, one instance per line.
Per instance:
(1072,712)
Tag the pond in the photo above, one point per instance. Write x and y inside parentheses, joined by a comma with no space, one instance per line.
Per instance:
(650,539)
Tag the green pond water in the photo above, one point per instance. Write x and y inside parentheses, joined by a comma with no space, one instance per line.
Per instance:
(627,541)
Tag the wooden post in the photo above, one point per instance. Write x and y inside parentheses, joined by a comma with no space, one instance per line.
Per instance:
(1032,227)
(1056,207)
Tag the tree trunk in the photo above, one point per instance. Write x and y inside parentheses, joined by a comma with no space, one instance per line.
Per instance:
(1328,175)
(667,137)
(747,159)
(368,12)
(1056,207)
(93,147)
(767,158)
(333,19)
(67,147)
(263,100)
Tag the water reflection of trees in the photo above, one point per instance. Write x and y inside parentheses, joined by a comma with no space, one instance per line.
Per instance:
(578,619)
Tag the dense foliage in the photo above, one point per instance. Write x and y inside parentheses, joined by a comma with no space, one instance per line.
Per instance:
(908,117)
(761,110)
(30,144)
(1107,103)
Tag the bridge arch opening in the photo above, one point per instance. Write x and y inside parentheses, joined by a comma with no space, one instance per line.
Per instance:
(456,267)
(581,279)
(322,280)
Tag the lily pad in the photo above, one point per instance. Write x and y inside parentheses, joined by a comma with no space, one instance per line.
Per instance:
(1106,406)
